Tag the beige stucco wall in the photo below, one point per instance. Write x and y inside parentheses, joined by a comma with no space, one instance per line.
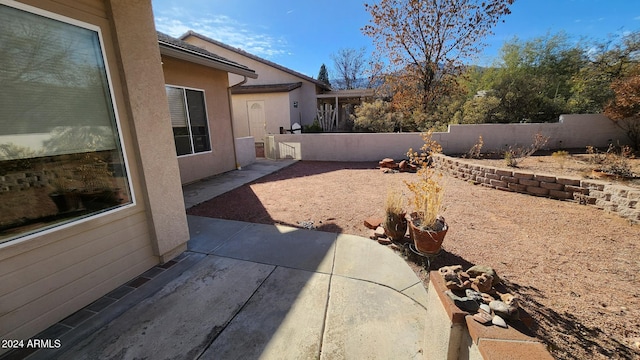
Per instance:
(573,131)
(276,112)
(268,74)
(50,275)
(246,151)
(214,83)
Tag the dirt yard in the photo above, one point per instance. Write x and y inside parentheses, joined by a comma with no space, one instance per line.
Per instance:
(575,267)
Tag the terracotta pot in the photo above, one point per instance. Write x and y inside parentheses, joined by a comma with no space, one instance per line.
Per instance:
(395,226)
(427,241)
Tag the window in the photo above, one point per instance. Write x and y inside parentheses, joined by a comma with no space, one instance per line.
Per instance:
(189,120)
(60,154)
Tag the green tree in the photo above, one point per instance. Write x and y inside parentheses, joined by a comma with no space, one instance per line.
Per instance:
(377,116)
(532,80)
(426,43)
(608,61)
(624,108)
(323,75)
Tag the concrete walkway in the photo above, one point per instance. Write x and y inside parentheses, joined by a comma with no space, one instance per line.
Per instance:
(254,291)
(207,189)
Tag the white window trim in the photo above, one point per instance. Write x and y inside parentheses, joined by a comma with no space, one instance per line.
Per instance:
(204,99)
(72,223)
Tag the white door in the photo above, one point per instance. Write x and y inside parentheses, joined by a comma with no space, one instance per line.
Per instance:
(257,124)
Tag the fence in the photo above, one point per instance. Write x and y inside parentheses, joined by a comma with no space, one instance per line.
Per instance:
(572,131)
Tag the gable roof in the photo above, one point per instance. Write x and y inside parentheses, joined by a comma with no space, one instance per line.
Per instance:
(179,49)
(254,57)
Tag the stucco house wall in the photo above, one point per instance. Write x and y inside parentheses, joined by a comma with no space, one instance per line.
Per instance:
(51,274)
(269,73)
(214,82)
(276,108)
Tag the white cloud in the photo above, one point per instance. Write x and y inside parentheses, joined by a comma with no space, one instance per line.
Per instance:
(222,28)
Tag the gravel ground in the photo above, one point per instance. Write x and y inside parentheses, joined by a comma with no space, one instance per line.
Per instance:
(575,267)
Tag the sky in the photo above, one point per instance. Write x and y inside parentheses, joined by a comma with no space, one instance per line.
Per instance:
(303,34)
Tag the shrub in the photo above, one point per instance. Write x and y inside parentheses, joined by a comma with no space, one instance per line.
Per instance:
(561,157)
(313,128)
(513,155)
(377,116)
(476,150)
(612,161)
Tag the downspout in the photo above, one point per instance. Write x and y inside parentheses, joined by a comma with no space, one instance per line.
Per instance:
(233,135)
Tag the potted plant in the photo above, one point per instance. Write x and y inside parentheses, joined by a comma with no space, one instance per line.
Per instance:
(426,226)
(395,221)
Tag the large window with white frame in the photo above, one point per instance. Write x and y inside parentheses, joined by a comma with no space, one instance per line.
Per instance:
(61,158)
(188,120)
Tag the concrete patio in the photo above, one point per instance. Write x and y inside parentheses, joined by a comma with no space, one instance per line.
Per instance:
(248,291)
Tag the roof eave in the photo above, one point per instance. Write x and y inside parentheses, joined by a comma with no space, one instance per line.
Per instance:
(187,55)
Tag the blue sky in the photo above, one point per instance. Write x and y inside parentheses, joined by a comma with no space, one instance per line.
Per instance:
(302,34)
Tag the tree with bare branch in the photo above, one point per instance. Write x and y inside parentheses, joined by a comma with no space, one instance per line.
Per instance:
(427,42)
(348,64)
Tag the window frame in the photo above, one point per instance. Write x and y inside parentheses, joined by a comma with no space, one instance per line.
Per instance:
(53,228)
(206,112)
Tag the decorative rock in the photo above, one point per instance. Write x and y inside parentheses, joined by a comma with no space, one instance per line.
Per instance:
(384,241)
(372,222)
(510,300)
(498,321)
(454,277)
(380,232)
(482,317)
(499,307)
(485,308)
(487,298)
(482,283)
(477,270)
(504,310)
(473,294)
(467,304)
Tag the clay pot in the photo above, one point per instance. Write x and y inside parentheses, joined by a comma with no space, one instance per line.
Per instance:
(428,241)
(395,226)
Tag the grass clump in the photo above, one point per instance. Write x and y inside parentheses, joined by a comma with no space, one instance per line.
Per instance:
(428,191)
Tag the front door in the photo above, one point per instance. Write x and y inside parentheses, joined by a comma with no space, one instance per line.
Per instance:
(257,124)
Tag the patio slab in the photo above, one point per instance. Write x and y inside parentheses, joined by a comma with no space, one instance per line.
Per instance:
(369,321)
(283,320)
(283,246)
(208,234)
(365,259)
(180,320)
(262,291)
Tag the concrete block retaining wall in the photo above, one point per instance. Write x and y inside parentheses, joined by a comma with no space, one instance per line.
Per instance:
(619,199)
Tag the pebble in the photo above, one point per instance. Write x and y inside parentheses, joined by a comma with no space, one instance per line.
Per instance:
(498,321)
(482,317)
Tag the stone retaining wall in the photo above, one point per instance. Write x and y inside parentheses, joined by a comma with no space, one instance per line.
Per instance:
(619,199)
